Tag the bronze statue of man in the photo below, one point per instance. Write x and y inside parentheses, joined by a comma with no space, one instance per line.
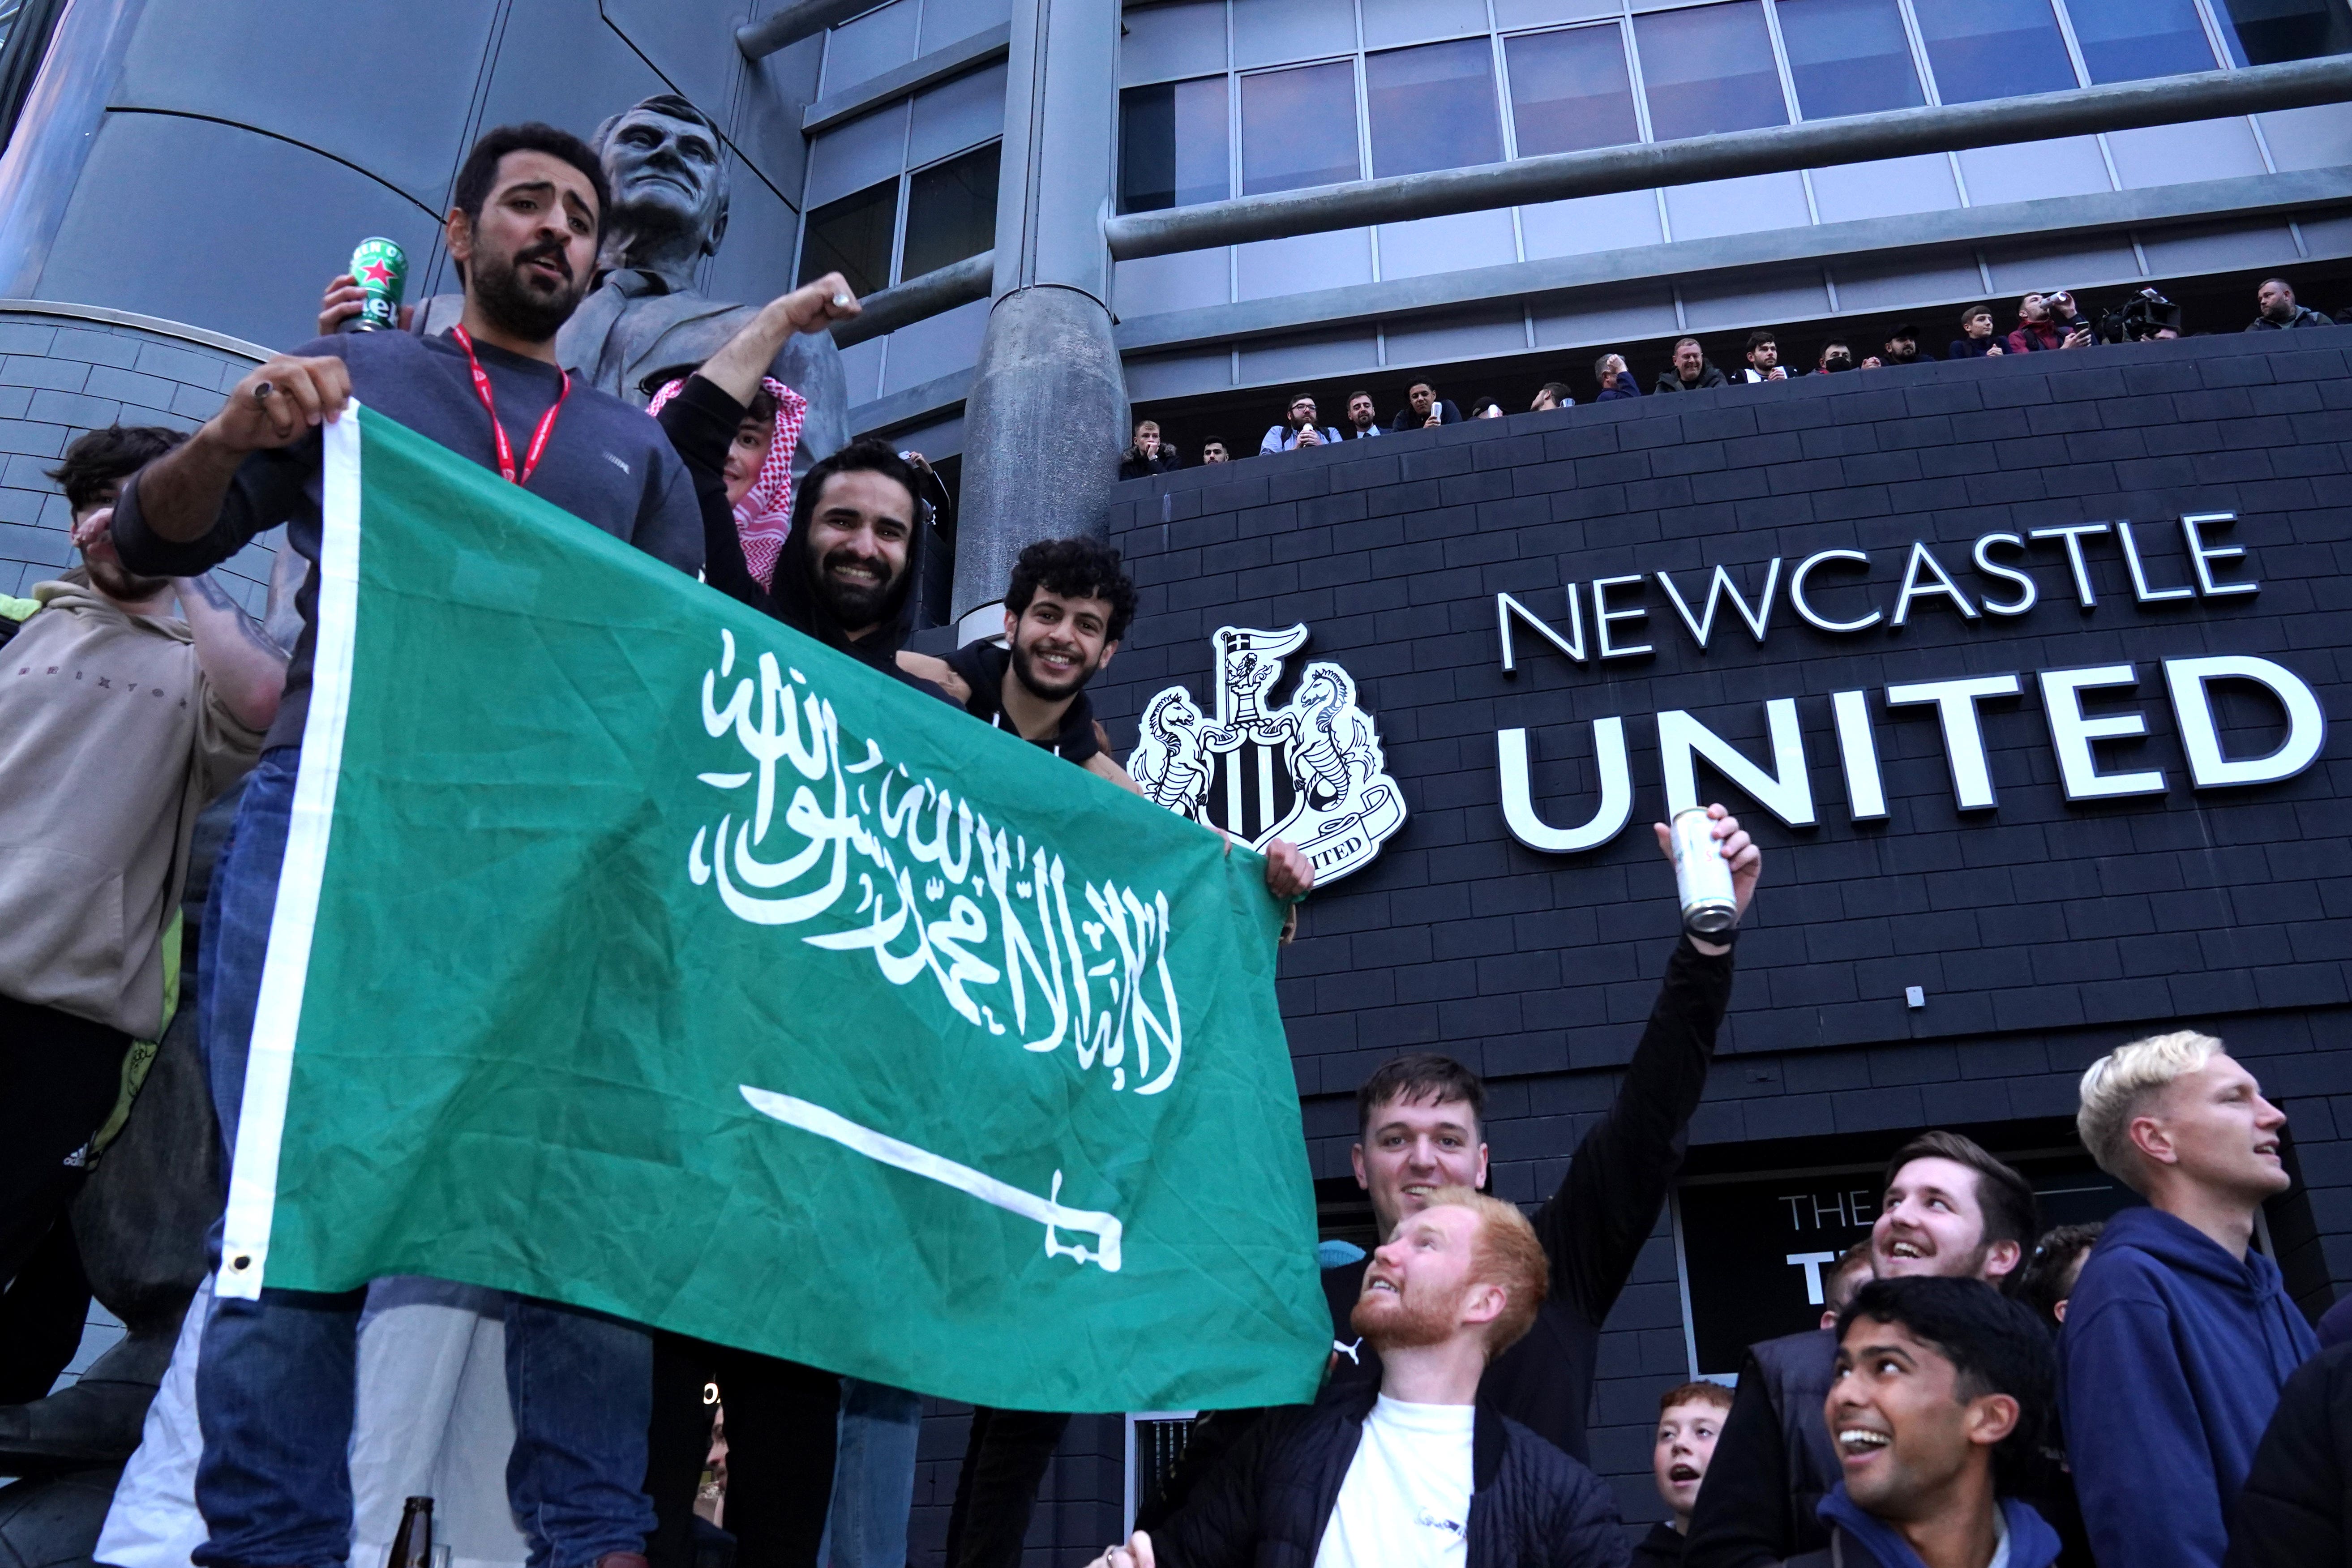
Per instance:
(645,321)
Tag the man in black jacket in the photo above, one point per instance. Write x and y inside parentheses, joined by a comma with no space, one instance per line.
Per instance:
(1422,1120)
(1420,1464)
(1065,608)
(1949,1209)
(1690,371)
(2296,1505)
(1421,1117)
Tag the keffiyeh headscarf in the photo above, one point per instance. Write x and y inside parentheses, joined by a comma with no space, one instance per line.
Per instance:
(764,516)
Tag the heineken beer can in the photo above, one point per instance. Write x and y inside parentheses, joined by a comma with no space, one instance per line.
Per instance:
(1701,876)
(381,269)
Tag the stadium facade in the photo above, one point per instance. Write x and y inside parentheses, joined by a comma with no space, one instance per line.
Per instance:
(1554,623)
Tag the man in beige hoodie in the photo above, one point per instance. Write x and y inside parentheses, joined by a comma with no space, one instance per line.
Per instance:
(118,721)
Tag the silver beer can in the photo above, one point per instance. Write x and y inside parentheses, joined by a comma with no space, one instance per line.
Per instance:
(1701,876)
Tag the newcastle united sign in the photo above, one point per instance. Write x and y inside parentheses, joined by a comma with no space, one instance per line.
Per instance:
(1849,594)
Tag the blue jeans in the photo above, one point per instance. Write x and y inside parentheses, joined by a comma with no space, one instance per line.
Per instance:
(275,1384)
(872,1476)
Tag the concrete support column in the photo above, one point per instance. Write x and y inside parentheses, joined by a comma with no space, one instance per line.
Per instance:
(1047,416)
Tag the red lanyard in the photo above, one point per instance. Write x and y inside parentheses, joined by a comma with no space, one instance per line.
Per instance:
(498,431)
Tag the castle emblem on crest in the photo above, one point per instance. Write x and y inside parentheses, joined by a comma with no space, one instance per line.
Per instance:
(1309,771)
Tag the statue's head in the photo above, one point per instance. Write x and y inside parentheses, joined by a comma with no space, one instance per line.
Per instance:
(667,167)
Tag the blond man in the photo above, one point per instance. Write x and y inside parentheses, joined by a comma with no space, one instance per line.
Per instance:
(1414,1471)
(2177,1336)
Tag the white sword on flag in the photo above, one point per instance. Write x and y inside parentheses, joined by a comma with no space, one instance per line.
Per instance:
(1048,1211)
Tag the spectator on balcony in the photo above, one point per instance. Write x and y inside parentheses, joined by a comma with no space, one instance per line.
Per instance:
(1298,430)
(1485,408)
(1550,396)
(1903,347)
(1836,355)
(2279,311)
(1148,453)
(1425,410)
(1362,422)
(1690,373)
(1615,380)
(1215,452)
(1763,356)
(1976,339)
(2050,321)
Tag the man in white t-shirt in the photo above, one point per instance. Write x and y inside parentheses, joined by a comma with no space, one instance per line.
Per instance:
(1414,1472)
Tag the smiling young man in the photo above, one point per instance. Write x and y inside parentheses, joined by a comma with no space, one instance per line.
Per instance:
(1949,1209)
(1690,1419)
(1939,1399)
(1418,1470)
(1068,604)
(1421,1118)
(1065,608)
(274,1385)
(2178,1337)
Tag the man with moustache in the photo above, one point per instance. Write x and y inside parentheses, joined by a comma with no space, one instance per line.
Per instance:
(1940,1399)
(275,1388)
(2178,1337)
(1417,1469)
(1949,1209)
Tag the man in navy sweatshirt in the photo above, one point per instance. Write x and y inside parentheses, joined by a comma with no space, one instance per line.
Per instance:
(2177,1338)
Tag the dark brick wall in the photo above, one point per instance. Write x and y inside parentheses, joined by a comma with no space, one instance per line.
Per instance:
(2042,934)
(60,375)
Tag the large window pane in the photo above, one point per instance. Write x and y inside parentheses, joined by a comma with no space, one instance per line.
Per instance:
(1993,49)
(1298,128)
(2125,40)
(1849,56)
(852,236)
(1708,69)
(2264,32)
(1433,108)
(950,211)
(1569,90)
(1173,145)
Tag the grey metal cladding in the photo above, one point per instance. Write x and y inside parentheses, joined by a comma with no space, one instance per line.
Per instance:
(940,65)
(269,67)
(767,117)
(761,227)
(240,268)
(957,114)
(556,63)
(860,153)
(687,44)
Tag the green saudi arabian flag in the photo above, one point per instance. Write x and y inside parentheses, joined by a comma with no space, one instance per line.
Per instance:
(634,951)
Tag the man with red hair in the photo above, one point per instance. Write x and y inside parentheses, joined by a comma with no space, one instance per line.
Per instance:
(1415,1469)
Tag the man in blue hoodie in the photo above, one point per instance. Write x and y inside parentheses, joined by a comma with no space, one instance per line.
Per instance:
(2177,1338)
(1939,1404)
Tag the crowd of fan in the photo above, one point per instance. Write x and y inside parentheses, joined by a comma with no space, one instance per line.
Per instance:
(1986,1395)
(2045,322)
(1981,1393)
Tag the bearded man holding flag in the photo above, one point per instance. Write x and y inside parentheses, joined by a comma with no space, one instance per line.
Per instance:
(591,937)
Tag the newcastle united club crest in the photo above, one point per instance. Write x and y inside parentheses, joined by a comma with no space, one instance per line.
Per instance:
(1309,771)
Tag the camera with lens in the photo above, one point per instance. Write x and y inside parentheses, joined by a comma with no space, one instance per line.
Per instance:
(2140,317)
